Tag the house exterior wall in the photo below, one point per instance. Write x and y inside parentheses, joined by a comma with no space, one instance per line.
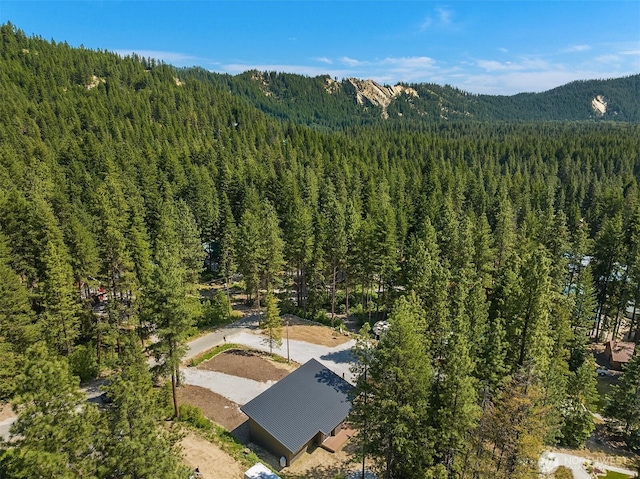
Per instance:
(266,440)
(262,438)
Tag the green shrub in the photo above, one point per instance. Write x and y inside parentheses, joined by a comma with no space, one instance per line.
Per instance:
(321,317)
(615,475)
(217,311)
(193,415)
(563,473)
(83,363)
(287,306)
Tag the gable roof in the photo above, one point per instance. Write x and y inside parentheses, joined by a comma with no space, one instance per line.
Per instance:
(621,352)
(311,399)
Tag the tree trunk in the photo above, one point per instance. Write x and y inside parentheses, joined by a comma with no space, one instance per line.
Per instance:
(298,286)
(67,344)
(379,295)
(226,282)
(176,410)
(333,296)
(603,300)
(259,312)
(99,342)
(346,297)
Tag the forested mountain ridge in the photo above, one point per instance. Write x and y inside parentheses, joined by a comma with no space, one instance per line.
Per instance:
(324,102)
(469,236)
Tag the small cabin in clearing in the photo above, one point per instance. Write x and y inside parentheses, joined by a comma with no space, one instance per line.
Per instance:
(619,353)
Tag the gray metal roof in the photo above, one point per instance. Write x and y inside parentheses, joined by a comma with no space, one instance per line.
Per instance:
(296,408)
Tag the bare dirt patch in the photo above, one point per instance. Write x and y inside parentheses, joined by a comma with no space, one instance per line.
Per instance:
(321,464)
(314,333)
(247,364)
(209,458)
(214,406)
(6,412)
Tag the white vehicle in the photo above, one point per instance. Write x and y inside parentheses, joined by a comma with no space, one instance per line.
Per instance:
(380,328)
(604,372)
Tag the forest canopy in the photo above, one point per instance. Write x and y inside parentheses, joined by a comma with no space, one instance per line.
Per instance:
(497,250)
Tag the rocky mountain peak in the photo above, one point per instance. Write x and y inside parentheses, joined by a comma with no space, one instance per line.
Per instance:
(378,95)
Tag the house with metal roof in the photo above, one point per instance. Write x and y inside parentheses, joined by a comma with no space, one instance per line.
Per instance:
(300,411)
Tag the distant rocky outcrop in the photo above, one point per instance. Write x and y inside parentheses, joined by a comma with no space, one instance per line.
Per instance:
(95,81)
(330,102)
(599,105)
(376,94)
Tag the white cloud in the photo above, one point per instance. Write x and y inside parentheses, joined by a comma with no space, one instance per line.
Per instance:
(515,82)
(350,61)
(410,62)
(444,15)
(520,65)
(326,60)
(441,18)
(426,24)
(494,65)
(577,48)
(608,59)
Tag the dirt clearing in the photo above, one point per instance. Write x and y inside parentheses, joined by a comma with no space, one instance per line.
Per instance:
(314,333)
(6,412)
(248,364)
(214,406)
(321,464)
(212,461)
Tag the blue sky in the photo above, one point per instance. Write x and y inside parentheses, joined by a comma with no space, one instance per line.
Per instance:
(479,46)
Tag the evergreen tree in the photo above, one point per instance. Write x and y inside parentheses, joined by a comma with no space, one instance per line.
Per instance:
(523,299)
(61,315)
(83,252)
(249,251)
(17,328)
(270,258)
(57,431)
(578,424)
(455,409)
(511,432)
(299,244)
(272,324)
(166,307)
(228,239)
(394,417)
(137,443)
(582,317)
(607,254)
(336,244)
(191,250)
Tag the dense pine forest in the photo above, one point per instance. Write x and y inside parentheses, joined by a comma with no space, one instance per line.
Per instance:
(499,252)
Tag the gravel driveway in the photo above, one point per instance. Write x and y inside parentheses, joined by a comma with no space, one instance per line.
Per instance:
(338,359)
(236,389)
